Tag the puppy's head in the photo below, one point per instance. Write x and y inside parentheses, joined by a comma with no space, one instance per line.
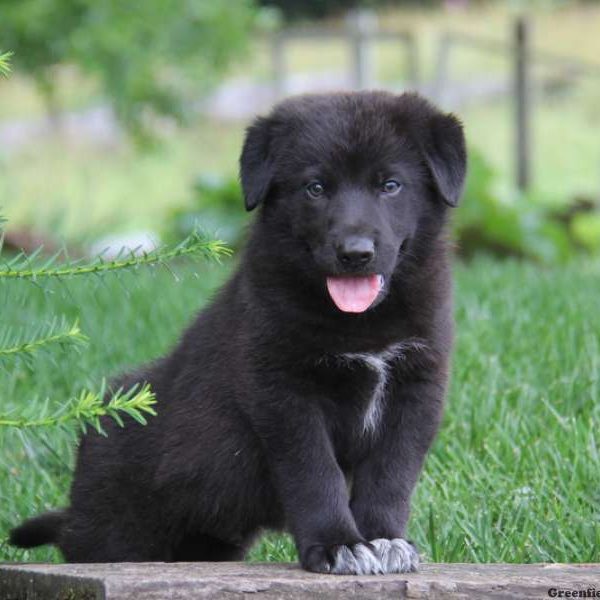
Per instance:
(354,184)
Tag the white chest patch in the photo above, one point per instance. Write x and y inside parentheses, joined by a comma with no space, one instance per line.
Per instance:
(380,363)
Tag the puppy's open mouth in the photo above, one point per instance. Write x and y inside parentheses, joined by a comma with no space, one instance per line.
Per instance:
(354,294)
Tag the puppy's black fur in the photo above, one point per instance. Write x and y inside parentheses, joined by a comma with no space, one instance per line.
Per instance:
(265,407)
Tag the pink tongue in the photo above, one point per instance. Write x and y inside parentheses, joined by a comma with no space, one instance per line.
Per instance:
(354,294)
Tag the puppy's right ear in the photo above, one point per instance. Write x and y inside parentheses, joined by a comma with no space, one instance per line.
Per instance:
(443,146)
(256,168)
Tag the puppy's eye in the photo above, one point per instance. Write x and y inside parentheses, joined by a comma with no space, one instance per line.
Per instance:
(391,187)
(315,189)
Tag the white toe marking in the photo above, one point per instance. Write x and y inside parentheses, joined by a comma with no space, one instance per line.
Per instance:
(344,561)
(356,560)
(382,547)
(367,561)
(397,555)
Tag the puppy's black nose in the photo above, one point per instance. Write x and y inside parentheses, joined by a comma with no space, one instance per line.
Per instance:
(356,251)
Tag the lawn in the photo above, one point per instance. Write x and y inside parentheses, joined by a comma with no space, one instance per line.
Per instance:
(513,475)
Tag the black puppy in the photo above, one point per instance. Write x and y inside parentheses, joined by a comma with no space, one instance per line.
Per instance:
(306,395)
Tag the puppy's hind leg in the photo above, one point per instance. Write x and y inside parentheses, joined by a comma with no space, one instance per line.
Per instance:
(96,538)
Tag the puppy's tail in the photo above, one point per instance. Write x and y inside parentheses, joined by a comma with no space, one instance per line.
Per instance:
(40,530)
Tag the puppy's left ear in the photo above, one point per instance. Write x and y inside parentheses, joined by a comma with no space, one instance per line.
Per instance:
(256,169)
(445,153)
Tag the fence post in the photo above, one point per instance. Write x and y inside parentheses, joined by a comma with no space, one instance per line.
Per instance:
(522,97)
(441,68)
(278,64)
(412,59)
(361,25)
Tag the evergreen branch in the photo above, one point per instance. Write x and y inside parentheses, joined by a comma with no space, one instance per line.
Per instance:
(71,335)
(5,63)
(90,407)
(196,244)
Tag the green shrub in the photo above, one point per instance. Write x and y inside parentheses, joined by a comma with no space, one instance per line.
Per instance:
(518,226)
(217,203)
(585,229)
(149,58)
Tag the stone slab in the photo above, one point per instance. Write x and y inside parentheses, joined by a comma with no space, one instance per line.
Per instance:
(184,581)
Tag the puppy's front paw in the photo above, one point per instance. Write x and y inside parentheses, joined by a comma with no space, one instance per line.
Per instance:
(354,559)
(396,555)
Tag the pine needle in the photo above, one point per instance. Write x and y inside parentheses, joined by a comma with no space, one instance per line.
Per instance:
(72,335)
(89,407)
(22,266)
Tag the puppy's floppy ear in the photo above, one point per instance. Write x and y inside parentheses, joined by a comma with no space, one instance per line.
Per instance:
(444,150)
(440,139)
(256,168)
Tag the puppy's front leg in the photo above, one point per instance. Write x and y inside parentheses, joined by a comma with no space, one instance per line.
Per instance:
(383,484)
(312,489)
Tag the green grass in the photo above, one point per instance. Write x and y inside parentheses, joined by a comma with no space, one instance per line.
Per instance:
(513,475)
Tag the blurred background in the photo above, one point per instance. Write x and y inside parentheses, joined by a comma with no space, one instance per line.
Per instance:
(121,123)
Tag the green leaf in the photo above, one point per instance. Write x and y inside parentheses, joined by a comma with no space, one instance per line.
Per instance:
(5,63)
(585,228)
